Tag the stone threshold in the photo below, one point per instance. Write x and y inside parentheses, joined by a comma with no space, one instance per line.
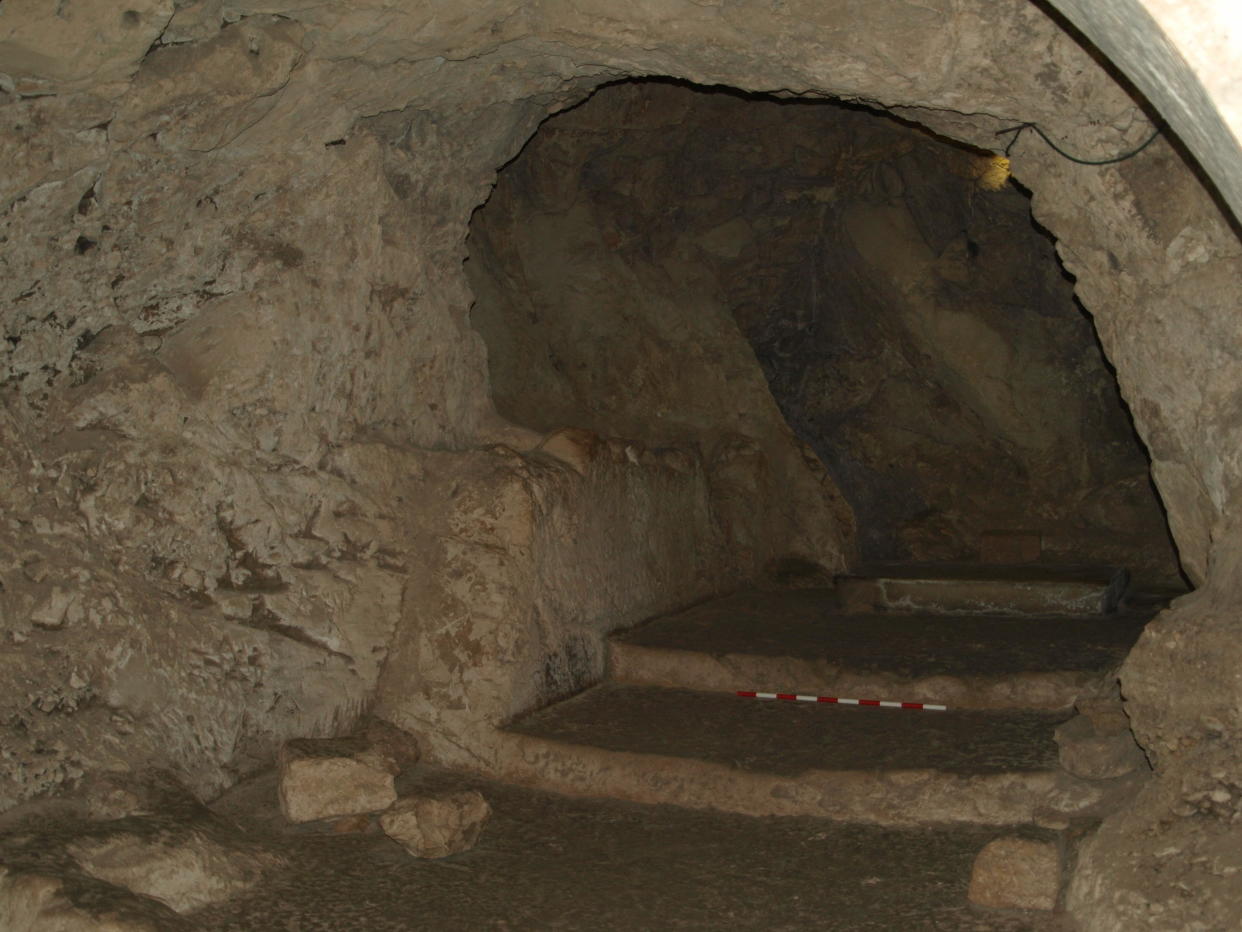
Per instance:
(637,665)
(709,751)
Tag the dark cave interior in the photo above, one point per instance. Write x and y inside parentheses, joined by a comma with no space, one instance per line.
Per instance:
(911,320)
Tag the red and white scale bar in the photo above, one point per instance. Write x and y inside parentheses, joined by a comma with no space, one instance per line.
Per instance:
(881,703)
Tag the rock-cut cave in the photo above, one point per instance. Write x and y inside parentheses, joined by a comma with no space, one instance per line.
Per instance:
(911,322)
(589,466)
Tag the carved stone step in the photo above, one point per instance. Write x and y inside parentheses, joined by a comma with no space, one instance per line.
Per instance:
(800,641)
(713,751)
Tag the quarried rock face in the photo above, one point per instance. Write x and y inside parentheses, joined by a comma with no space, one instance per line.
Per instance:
(526,562)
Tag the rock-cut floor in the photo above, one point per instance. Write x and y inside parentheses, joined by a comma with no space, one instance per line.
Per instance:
(549,862)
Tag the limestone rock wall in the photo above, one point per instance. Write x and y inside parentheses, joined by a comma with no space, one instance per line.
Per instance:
(299,204)
(213,278)
(231,258)
(913,325)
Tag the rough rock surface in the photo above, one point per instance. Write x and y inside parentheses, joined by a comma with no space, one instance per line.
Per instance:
(1097,743)
(1172,859)
(1016,873)
(36,901)
(185,872)
(915,327)
(253,479)
(329,777)
(438,824)
(139,871)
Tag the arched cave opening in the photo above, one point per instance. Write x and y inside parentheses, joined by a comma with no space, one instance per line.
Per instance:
(654,246)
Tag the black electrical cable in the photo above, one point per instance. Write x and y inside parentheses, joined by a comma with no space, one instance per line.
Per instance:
(1017,131)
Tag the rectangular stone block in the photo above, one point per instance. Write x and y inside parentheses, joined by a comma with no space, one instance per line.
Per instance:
(973,588)
(326,778)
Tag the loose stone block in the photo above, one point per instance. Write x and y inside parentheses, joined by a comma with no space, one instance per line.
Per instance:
(1016,873)
(326,778)
(437,825)
(1088,750)
(969,588)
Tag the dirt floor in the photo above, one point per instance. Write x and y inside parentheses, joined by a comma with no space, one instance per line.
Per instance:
(552,862)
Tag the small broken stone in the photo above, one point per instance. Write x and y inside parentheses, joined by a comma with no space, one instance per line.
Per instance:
(52,613)
(437,825)
(1016,873)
